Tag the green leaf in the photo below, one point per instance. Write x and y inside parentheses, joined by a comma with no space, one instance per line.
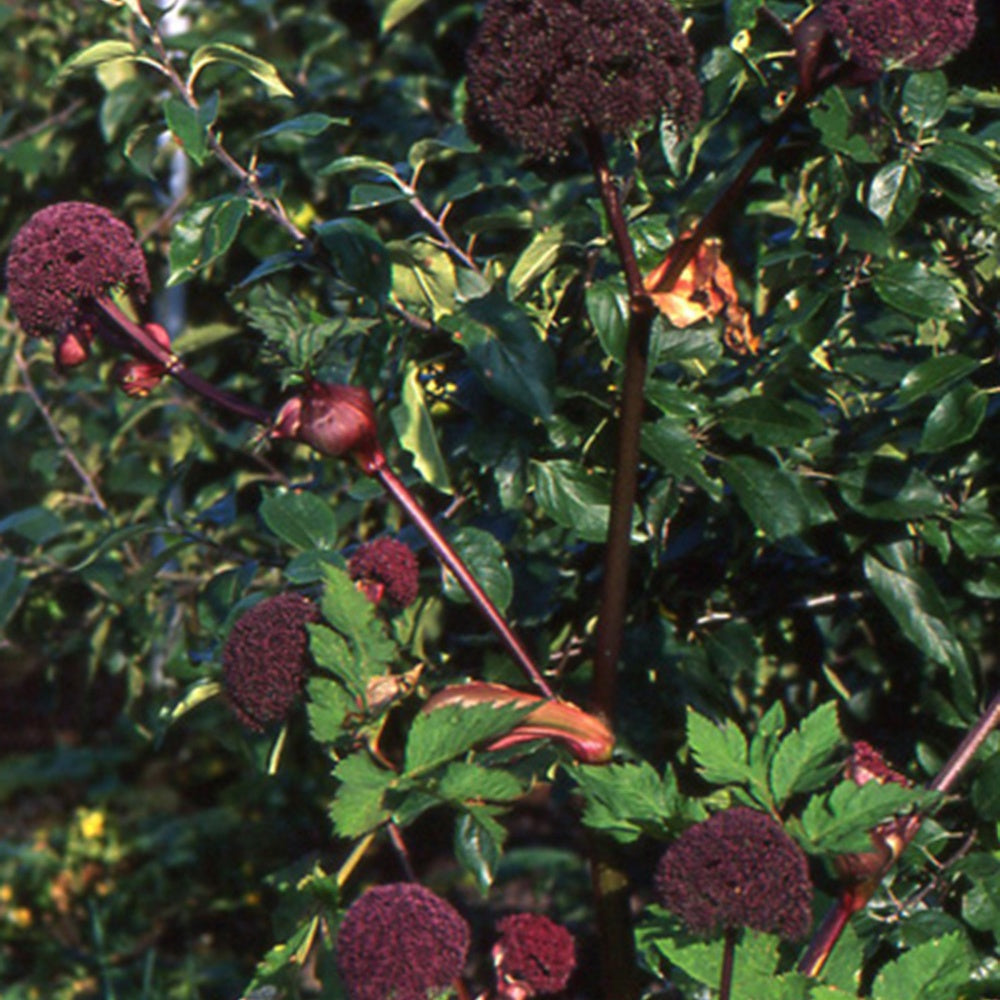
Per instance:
(396,11)
(769,423)
(328,705)
(348,164)
(780,503)
(302,520)
(575,497)
(423,277)
(907,285)
(332,652)
(802,760)
(836,119)
(359,803)
(719,751)
(607,307)
(110,50)
(462,782)
(672,446)
(912,598)
(925,98)
(742,14)
(439,736)
(888,488)
(311,124)
(485,556)
(203,234)
(932,377)
(537,258)
(934,970)
(190,126)
(955,419)
(223,52)
(986,790)
(506,352)
(358,255)
(416,433)
(12,588)
(894,193)
(478,846)
(353,615)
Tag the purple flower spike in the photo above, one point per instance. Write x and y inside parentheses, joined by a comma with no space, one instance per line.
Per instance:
(266,658)
(919,34)
(62,259)
(737,869)
(539,68)
(400,941)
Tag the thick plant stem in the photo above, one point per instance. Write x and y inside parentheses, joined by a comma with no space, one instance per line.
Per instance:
(614,585)
(728,960)
(141,344)
(850,902)
(394,486)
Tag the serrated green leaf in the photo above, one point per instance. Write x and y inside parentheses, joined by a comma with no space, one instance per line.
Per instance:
(720,752)
(802,760)
(416,433)
(331,652)
(328,704)
(302,520)
(353,615)
(359,803)
(223,52)
(437,737)
(485,556)
(463,781)
(934,970)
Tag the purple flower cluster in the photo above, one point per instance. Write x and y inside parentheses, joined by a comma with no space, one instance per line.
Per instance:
(737,869)
(535,953)
(266,657)
(538,69)
(65,256)
(920,34)
(388,566)
(400,940)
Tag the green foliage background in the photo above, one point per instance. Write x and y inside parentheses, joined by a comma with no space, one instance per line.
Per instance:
(816,524)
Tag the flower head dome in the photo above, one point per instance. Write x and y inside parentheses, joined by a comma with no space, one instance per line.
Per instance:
(266,657)
(64,257)
(534,955)
(386,565)
(737,869)
(920,34)
(399,941)
(539,68)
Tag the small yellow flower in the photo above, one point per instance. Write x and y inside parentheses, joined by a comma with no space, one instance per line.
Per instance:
(91,823)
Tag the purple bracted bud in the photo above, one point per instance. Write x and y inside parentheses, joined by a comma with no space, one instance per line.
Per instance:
(266,658)
(538,69)
(737,869)
(386,566)
(335,420)
(400,941)
(535,956)
(920,34)
(61,260)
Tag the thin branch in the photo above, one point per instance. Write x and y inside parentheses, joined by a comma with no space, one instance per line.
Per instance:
(53,121)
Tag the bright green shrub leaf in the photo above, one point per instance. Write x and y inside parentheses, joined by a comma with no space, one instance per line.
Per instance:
(98,54)
(259,69)
(396,10)
(802,760)
(478,845)
(415,429)
(358,255)
(720,751)
(205,233)
(310,125)
(359,803)
(673,448)
(834,116)
(328,705)
(450,731)
(537,257)
(607,307)
(934,970)
(353,615)
(485,556)
(190,126)
(423,277)
(506,352)
(956,418)
(574,497)
(780,503)
(331,652)
(463,781)
(302,520)
(925,98)
(894,193)
(933,376)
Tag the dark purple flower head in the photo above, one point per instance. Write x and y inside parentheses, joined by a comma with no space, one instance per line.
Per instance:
(534,954)
(388,566)
(538,69)
(266,657)
(737,869)
(920,34)
(399,941)
(63,258)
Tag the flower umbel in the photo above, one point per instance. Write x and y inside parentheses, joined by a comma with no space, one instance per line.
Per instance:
(920,34)
(386,566)
(62,259)
(737,869)
(534,956)
(266,657)
(539,68)
(400,940)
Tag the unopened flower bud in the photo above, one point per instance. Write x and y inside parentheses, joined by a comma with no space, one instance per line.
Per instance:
(139,378)
(73,348)
(335,420)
